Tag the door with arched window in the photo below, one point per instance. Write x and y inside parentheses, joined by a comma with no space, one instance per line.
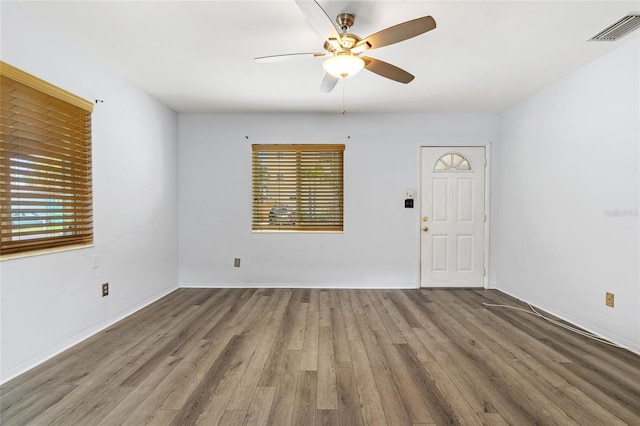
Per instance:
(453,217)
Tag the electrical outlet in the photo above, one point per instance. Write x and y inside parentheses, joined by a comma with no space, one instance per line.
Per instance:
(105,289)
(609,299)
(236,262)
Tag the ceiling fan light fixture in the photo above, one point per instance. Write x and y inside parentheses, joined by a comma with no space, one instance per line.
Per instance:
(343,65)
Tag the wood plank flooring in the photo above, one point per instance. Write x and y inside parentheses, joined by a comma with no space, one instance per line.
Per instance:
(330,357)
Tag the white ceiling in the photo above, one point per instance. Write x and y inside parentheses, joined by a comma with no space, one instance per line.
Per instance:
(197,56)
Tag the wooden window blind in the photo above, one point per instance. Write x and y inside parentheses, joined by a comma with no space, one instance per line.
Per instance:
(45,165)
(298,187)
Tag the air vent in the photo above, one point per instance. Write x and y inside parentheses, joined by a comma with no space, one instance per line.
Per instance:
(619,29)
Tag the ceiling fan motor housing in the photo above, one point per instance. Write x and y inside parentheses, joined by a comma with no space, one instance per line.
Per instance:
(349,41)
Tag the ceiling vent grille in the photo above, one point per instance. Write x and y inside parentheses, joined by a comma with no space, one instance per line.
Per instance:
(619,29)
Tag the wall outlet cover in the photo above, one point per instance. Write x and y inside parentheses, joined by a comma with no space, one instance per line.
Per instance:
(609,300)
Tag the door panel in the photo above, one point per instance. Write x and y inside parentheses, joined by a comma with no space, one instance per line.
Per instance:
(440,200)
(465,253)
(453,212)
(465,200)
(440,253)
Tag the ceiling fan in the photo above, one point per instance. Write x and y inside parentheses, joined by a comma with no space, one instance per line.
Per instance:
(344,50)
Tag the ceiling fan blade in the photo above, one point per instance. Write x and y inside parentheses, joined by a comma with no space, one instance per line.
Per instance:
(398,33)
(328,83)
(289,57)
(387,70)
(318,18)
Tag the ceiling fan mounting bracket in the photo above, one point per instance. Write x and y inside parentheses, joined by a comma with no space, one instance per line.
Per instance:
(345,21)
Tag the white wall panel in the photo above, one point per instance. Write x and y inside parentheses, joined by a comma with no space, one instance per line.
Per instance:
(569,160)
(380,243)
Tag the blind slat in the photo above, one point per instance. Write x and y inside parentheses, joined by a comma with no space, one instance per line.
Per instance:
(43,148)
(58,176)
(23,196)
(41,118)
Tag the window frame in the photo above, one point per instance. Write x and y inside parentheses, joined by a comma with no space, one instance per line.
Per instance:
(46,190)
(297,188)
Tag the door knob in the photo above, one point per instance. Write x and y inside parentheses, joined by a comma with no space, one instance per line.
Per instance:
(424,218)
(425,228)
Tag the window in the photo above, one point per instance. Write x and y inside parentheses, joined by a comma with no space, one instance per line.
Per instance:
(452,162)
(297,187)
(45,165)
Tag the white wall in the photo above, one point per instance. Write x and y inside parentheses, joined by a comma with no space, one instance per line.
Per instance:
(380,243)
(52,301)
(569,159)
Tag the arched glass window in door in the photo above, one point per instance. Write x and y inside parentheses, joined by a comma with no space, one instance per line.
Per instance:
(452,161)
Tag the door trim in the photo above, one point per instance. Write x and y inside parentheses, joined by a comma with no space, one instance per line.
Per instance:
(487,206)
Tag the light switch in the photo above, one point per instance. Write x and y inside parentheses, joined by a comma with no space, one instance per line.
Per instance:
(409,194)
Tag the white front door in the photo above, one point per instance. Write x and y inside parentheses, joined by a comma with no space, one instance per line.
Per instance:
(453,217)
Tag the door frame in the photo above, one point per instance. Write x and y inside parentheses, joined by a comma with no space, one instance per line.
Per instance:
(487,208)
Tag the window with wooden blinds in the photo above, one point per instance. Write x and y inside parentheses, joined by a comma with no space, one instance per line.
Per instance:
(45,165)
(298,187)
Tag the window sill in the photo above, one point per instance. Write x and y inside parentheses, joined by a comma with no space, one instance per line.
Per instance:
(44,251)
(292,231)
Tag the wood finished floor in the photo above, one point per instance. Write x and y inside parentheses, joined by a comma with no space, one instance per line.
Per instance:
(330,357)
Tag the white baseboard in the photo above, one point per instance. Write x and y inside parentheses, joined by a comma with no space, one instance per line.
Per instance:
(77,338)
(604,334)
(302,286)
